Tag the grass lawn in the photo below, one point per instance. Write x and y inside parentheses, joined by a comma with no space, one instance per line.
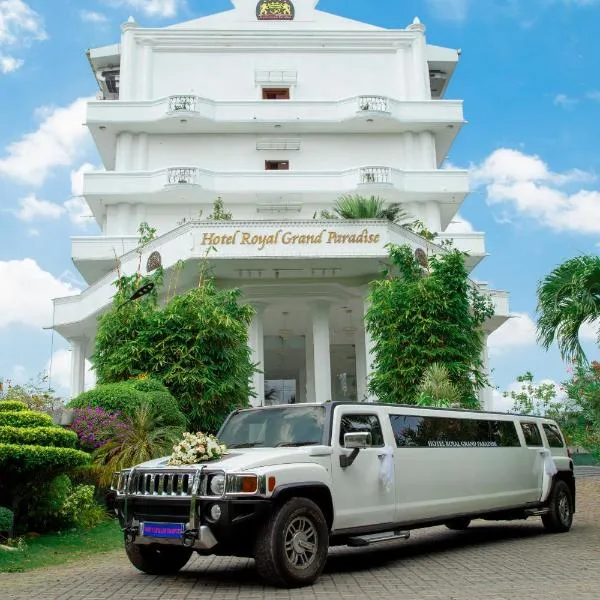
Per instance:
(56,549)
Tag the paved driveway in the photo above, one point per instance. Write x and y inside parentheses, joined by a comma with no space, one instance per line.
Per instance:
(504,561)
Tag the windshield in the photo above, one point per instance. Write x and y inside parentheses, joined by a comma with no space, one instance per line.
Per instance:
(272,427)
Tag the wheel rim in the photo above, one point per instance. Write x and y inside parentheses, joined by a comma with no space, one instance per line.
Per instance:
(301,542)
(564,508)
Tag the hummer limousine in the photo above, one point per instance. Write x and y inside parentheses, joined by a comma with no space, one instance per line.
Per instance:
(297,479)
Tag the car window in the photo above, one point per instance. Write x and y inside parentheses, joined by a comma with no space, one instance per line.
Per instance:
(359,423)
(552,432)
(532,434)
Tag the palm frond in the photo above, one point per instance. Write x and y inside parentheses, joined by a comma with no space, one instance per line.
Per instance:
(360,207)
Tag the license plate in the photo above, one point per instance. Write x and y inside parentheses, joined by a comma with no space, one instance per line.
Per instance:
(163,530)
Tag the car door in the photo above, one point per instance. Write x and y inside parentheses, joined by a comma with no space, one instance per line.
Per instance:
(361,496)
(534,460)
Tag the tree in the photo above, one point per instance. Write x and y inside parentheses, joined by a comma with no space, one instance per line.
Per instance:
(195,343)
(374,207)
(568,297)
(437,389)
(425,316)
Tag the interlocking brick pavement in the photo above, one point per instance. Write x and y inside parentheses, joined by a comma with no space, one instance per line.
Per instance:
(497,561)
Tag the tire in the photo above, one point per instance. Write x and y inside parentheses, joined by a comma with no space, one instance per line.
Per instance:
(458,524)
(560,503)
(281,555)
(157,560)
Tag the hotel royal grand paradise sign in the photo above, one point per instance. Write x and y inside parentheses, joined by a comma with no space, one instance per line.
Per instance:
(288,238)
(275,10)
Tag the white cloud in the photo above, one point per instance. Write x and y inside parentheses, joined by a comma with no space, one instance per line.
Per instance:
(518,332)
(525,183)
(595,96)
(59,371)
(19,23)
(32,209)
(153,8)
(459,225)
(588,332)
(77,208)
(565,101)
(9,64)
(58,141)
(89,16)
(449,10)
(502,404)
(27,293)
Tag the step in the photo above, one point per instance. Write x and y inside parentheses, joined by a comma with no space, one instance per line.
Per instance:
(377,538)
(537,512)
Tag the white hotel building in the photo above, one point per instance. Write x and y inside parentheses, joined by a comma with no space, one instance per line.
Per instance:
(279,109)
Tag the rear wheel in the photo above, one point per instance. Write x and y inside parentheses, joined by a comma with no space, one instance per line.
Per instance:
(560,516)
(291,550)
(157,560)
(458,524)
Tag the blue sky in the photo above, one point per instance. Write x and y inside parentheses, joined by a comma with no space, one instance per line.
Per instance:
(527,76)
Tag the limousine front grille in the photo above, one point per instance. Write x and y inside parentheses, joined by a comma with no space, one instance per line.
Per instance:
(174,484)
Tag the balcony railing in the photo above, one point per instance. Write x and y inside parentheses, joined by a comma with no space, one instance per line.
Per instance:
(182,175)
(375,175)
(374,103)
(183,103)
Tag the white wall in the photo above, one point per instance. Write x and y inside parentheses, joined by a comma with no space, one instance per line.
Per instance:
(237,152)
(321,76)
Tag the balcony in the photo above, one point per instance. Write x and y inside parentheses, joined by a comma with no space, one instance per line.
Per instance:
(193,185)
(195,114)
(472,243)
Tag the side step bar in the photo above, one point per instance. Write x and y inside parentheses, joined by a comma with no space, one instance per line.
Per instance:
(537,512)
(377,538)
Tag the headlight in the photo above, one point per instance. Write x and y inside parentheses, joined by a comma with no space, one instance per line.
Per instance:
(242,484)
(217,485)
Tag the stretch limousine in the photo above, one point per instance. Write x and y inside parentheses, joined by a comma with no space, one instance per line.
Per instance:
(297,479)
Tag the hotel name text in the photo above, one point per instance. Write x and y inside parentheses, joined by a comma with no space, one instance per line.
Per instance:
(287,238)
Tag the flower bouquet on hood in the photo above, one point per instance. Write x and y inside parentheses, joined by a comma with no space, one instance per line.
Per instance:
(196,448)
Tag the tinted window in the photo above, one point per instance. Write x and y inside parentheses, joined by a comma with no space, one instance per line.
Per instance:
(411,431)
(532,434)
(553,434)
(359,423)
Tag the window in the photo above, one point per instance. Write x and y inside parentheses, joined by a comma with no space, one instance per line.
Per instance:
(412,431)
(532,434)
(555,439)
(360,423)
(277,165)
(276,93)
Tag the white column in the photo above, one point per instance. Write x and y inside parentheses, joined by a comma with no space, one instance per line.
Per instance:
(420,70)
(433,219)
(141,153)
(361,364)
(486,394)
(310,365)
(256,341)
(78,351)
(124,151)
(369,356)
(147,73)
(127,78)
(322,356)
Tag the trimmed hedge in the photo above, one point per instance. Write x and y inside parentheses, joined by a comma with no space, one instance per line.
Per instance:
(25,418)
(6,519)
(12,405)
(39,436)
(126,396)
(42,459)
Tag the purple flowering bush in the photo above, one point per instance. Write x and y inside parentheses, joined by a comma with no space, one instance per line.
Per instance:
(95,426)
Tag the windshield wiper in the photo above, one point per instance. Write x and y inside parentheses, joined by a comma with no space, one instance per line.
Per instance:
(245,445)
(297,444)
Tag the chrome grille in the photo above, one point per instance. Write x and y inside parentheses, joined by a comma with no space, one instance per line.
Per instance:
(162,483)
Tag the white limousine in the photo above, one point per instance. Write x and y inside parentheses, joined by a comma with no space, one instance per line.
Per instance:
(298,479)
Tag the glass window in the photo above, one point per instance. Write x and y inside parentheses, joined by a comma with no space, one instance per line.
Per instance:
(359,423)
(552,432)
(532,434)
(411,431)
(294,425)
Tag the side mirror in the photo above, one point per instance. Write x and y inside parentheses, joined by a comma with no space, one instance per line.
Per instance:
(358,440)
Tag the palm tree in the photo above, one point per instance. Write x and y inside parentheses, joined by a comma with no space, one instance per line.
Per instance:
(374,207)
(145,436)
(567,298)
(437,389)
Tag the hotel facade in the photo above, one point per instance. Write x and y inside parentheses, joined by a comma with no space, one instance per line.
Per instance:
(278,109)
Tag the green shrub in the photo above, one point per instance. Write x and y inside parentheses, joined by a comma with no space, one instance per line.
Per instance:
(81,509)
(25,418)
(39,436)
(128,396)
(31,460)
(6,520)
(12,405)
